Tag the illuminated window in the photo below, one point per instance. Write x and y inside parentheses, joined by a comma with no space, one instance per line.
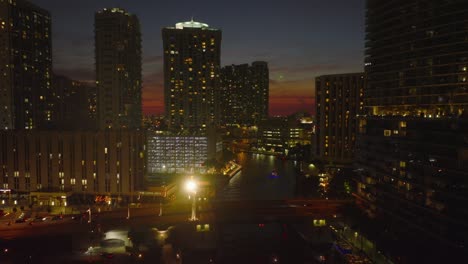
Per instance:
(387,133)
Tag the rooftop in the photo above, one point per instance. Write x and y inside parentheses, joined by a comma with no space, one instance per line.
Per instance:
(190,24)
(114,10)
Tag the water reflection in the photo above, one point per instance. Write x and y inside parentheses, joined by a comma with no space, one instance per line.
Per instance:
(254,181)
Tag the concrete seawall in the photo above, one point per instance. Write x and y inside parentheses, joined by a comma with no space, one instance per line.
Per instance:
(233,169)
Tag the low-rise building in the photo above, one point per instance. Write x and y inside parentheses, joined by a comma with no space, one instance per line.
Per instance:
(175,153)
(110,162)
(281,134)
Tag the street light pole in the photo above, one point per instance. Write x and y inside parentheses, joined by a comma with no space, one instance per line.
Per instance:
(89,214)
(160,208)
(191,187)
(194,208)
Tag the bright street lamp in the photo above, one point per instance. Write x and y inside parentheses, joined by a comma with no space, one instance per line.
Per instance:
(191,187)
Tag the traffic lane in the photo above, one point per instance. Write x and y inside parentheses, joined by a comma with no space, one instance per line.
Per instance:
(26,230)
(148,216)
(113,222)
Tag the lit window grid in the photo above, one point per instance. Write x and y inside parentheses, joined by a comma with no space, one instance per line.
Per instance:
(176,154)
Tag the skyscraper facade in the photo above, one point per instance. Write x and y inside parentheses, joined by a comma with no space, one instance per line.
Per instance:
(27,99)
(118,69)
(413,145)
(244,93)
(261,89)
(235,94)
(76,103)
(338,100)
(192,52)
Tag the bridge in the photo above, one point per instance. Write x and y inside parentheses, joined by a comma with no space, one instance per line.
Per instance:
(275,210)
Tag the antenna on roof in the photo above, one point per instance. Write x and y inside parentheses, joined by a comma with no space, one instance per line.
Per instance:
(191,20)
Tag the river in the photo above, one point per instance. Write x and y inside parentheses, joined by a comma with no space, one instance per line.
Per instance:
(256,182)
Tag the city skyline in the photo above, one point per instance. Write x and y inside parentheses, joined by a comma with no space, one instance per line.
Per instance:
(297,132)
(294,61)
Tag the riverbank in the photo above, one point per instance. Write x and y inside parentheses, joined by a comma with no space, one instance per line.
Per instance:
(232,168)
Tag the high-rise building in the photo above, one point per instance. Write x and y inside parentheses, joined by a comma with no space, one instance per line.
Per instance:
(192,52)
(412,149)
(235,92)
(338,100)
(261,89)
(27,99)
(76,103)
(244,93)
(118,69)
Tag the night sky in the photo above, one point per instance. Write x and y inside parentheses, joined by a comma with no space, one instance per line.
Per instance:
(300,39)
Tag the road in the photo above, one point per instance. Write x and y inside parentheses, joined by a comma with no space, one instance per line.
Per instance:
(216,211)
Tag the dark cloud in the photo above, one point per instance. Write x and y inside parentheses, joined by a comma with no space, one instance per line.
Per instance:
(153,103)
(79,74)
(313,68)
(153,93)
(87,41)
(286,105)
(152,59)
(153,110)
(154,79)
(292,87)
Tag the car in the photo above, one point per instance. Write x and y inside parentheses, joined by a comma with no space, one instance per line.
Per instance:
(56,217)
(107,255)
(77,217)
(39,219)
(20,220)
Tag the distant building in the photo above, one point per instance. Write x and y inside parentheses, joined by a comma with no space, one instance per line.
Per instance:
(281,134)
(181,153)
(192,53)
(412,148)
(261,89)
(244,93)
(76,103)
(27,99)
(118,69)
(235,95)
(154,123)
(110,162)
(339,100)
